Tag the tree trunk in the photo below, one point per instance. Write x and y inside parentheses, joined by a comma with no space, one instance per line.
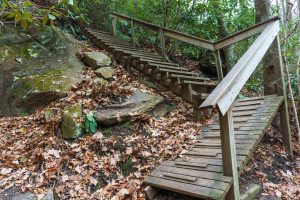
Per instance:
(285,6)
(228,51)
(263,10)
(165,6)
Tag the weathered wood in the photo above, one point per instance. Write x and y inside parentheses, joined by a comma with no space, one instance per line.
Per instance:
(229,152)
(184,188)
(114,25)
(163,44)
(170,33)
(133,33)
(281,90)
(219,65)
(225,93)
(244,34)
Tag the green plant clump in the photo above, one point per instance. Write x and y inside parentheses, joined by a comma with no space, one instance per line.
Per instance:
(90,123)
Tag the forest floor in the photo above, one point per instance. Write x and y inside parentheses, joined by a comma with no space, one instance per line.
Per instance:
(35,158)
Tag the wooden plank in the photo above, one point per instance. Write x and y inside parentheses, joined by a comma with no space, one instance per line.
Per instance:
(215,151)
(170,33)
(225,93)
(241,108)
(177,176)
(209,168)
(178,72)
(247,103)
(162,44)
(199,181)
(133,33)
(192,78)
(229,151)
(195,173)
(244,34)
(281,91)
(158,62)
(183,188)
(219,65)
(196,83)
(167,67)
(198,165)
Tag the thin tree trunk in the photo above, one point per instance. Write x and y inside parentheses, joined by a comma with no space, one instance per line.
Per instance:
(165,3)
(228,51)
(285,22)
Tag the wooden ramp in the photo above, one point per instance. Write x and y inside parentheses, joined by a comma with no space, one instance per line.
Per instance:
(199,172)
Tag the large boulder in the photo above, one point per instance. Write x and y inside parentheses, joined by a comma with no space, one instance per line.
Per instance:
(71,122)
(96,59)
(139,103)
(37,66)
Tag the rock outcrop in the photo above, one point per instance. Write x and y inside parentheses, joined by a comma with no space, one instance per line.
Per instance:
(96,60)
(139,103)
(37,66)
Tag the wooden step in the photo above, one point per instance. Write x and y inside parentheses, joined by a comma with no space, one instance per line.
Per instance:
(146,61)
(167,67)
(97,31)
(170,71)
(190,78)
(137,51)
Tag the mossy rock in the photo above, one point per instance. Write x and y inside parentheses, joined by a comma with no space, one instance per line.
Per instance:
(96,60)
(105,72)
(37,66)
(139,103)
(71,122)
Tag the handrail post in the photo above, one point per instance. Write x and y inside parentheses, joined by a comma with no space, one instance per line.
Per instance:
(229,153)
(133,33)
(114,25)
(275,72)
(219,65)
(163,44)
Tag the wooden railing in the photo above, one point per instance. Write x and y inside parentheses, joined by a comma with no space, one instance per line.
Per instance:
(228,89)
(230,86)
(214,46)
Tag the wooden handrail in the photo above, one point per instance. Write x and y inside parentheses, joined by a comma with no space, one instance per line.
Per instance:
(210,45)
(169,33)
(225,93)
(244,34)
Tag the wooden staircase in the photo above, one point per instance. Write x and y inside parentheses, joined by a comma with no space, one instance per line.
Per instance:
(211,168)
(190,86)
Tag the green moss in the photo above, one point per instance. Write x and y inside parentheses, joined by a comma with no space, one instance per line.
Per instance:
(50,80)
(71,128)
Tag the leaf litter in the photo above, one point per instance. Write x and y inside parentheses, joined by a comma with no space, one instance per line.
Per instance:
(35,158)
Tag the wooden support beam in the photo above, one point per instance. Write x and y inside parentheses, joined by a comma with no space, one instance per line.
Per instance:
(219,65)
(114,25)
(187,93)
(163,44)
(133,33)
(281,91)
(229,153)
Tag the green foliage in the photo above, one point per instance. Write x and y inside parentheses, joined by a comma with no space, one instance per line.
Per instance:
(90,124)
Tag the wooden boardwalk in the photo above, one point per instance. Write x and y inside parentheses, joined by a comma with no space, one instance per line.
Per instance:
(211,168)
(199,172)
